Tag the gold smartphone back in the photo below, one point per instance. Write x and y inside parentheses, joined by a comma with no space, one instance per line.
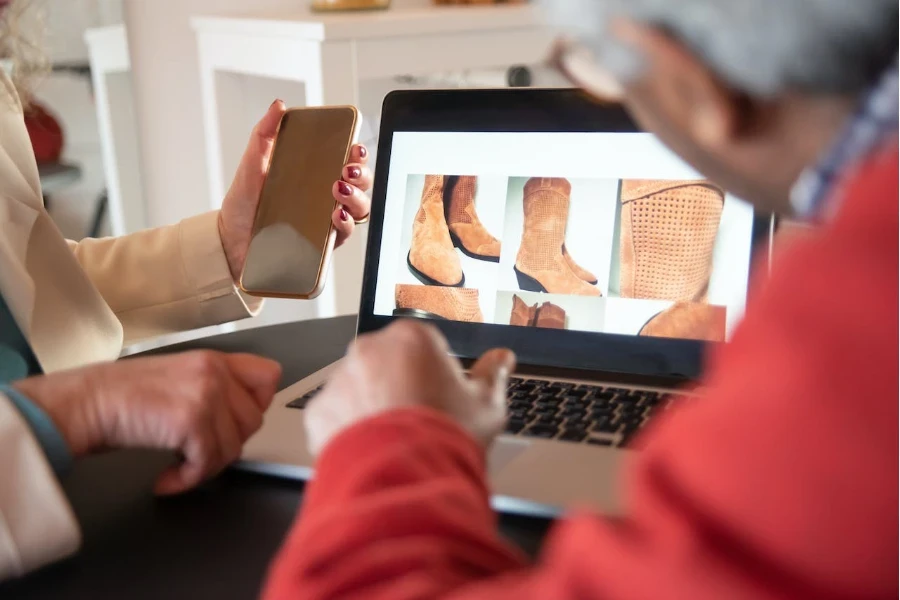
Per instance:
(293,235)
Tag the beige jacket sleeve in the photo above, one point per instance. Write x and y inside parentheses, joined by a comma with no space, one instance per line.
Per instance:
(166,280)
(37,525)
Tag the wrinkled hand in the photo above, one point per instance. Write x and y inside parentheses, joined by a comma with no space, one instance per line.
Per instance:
(239,206)
(204,405)
(408,365)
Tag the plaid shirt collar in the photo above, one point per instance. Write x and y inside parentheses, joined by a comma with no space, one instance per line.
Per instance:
(873,123)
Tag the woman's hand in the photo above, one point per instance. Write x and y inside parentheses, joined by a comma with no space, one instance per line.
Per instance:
(239,207)
(204,405)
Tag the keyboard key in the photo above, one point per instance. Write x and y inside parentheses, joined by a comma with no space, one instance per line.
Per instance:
(301,402)
(577,393)
(549,399)
(549,420)
(573,411)
(541,431)
(518,414)
(605,425)
(543,412)
(600,441)
(591,389)
(573,435)
(603,411)
(631,411)
(576,421)
(515,425)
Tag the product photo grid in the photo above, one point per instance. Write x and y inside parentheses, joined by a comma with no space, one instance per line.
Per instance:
(661,257)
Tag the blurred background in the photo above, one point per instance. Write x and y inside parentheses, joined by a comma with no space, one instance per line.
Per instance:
(155,99)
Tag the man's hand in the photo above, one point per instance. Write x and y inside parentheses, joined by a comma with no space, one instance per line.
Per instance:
(240,204)
(408,365)
(204,405)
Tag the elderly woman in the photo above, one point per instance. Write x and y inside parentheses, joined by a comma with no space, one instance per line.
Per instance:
(782,481)
(67,308)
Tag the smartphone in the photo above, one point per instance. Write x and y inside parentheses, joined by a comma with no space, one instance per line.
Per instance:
(293,236)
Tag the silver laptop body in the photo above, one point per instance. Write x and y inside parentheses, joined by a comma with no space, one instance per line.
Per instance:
(583,392)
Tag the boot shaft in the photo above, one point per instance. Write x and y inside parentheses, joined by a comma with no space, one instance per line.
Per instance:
(460,206)
(550,316)
(546,206)
(668,233)
(432,204)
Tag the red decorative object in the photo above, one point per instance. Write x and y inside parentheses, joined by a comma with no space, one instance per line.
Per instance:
(45,132)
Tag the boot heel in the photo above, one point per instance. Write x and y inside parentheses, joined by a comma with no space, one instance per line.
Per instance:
(528,283)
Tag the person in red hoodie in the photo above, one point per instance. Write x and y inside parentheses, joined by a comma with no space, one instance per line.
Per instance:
(781,482)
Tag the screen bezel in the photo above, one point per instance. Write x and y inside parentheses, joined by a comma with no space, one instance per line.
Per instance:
(621,357)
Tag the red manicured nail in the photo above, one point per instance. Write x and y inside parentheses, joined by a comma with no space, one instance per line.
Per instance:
(344,189)
(344,216)
(363,152)
(354,172)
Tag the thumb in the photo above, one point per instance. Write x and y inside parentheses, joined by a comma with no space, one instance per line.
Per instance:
(493,370)
(263,139)
(268,125)
(259,376)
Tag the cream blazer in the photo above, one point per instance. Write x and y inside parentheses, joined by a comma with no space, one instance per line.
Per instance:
(77,304)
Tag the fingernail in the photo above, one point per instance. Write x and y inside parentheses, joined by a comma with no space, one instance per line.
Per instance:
(354,172)
(344,189)
(344,216)
(277,100)
(363,152)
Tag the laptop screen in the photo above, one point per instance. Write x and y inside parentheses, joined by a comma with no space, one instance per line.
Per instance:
(595,232)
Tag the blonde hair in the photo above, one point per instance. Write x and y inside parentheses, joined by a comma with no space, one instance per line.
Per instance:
(22,45)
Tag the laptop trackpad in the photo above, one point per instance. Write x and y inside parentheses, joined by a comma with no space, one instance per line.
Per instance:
(505,450)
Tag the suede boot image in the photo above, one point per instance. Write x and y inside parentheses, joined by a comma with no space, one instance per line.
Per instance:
(550,316)
(668,233)
(434,302)
(466,230)
(540,263)
(522,314)
(432,258)
(688,321)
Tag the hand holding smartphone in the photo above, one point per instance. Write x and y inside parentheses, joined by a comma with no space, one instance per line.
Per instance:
(293,236)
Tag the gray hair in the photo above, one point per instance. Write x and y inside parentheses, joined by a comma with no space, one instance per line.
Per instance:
(760,47)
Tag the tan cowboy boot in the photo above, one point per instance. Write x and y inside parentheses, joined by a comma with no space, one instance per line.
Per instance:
(688,321)
(432,258)
(432,302)
(540,264)
(667,238)
(522,314)
(550,316)
(466,230)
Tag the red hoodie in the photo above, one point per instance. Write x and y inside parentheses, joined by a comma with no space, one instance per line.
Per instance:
(781,483)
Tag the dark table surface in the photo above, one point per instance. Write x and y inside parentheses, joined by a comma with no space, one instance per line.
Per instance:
(215,542)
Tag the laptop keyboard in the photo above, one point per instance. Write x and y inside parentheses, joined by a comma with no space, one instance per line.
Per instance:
(590,414)
(568,412)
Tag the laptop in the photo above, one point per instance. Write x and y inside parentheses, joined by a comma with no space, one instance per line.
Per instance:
(542,221)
